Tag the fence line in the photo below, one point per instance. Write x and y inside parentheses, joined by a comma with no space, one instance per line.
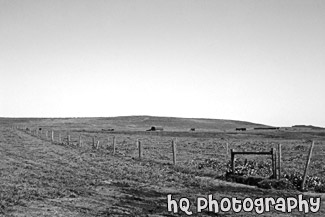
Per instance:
(56,137)
(176,152)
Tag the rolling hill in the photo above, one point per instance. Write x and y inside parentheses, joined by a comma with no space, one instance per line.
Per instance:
(133,123)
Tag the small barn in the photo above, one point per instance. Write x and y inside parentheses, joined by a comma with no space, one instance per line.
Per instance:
(109,129)
(266,128)
(154,128)
(240,129)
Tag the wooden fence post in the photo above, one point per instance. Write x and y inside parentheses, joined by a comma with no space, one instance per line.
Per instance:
(307,165)
(174,144)
(93,142)
(113,145)
(140,149)
(232,159)
(227,150)
(68,139)
(272,155)
(52,136)
(275,164)
(79,141)
(279,160)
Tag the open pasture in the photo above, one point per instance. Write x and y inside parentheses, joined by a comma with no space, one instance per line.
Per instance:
(196,149)
(50,178)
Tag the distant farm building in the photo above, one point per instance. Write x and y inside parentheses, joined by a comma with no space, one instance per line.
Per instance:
(241,129)
(266,128)
(153,128)
(109,129)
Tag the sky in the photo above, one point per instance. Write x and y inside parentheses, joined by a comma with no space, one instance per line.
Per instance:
(261,61)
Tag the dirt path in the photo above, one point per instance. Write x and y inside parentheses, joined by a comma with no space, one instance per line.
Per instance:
(39,178)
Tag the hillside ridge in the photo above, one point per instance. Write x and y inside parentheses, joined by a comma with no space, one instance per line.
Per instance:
(137,122)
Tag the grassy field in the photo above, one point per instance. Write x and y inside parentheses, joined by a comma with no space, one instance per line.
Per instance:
(44,178)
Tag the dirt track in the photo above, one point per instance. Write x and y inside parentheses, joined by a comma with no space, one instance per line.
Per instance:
(39,178)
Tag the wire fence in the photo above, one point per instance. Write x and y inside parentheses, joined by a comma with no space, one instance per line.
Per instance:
(207,156)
